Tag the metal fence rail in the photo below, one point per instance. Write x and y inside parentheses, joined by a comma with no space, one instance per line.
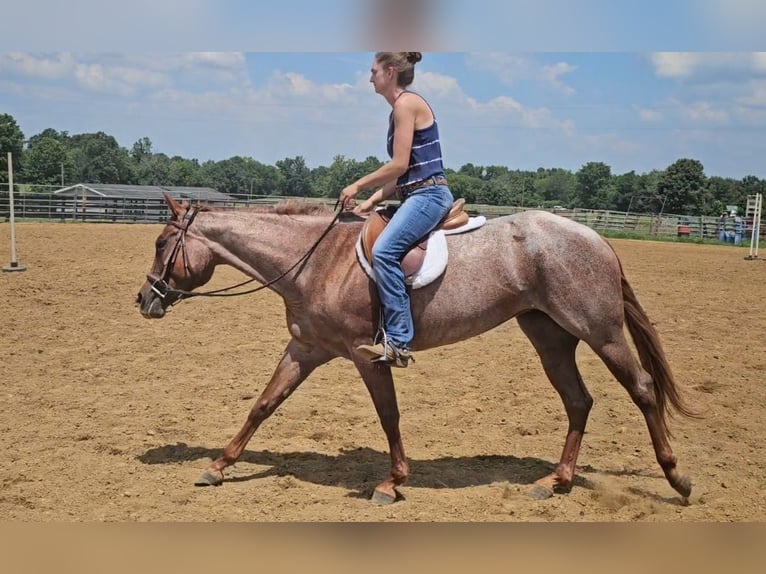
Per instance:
(93,209)
(40,206)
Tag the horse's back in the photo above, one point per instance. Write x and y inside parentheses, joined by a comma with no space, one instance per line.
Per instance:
(533,260)
(535,238)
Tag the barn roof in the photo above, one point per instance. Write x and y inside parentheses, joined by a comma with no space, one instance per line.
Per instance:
(145,191)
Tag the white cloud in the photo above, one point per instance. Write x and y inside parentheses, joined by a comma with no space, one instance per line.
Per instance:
(675,112)
(499,111)
(611,142)
(50,67)
(286,97)
(709,65)
(130,74)
(512,68)
(177,61)
(439,86)
(756,96)
(117,80)
(674,64)
(216,59)
(724,88)
(552,73)
(291,84)
(705,112)
(650,114)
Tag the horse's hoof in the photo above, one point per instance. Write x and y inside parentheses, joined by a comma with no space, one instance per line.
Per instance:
(540,492)
(207,478)
(382,498)
(684,486)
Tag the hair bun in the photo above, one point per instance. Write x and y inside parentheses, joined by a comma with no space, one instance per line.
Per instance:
(414,57)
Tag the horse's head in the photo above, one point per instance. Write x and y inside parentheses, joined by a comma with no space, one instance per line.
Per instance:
(182,262)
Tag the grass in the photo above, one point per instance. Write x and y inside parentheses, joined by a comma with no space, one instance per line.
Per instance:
(673,239)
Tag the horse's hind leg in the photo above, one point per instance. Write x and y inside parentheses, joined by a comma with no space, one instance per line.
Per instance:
(298,361)
(618,357)
(556,348)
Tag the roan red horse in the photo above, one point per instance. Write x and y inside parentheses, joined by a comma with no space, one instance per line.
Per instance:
(561,281)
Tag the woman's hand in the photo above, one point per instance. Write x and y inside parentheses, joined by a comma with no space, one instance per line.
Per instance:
(349,192)
(364,207)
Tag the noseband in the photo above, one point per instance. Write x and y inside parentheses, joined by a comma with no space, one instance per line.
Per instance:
(159,282)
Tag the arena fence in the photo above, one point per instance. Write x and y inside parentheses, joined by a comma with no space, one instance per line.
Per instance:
(40,206)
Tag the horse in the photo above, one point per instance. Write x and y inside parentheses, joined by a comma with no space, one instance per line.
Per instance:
(560,280)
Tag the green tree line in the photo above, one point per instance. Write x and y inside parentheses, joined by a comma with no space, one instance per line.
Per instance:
(53,159)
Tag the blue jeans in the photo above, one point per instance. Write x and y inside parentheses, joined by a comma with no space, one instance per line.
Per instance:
(418,214)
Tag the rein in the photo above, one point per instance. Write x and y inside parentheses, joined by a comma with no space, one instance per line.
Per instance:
(159,283)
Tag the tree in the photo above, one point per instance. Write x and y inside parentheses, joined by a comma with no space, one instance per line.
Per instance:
(11,140)
(724,191)
(266,179)
(751,185)
(185,172)
(494,192)
(343,171)
(48,133)
(555,186)
(48,162)
(471,170)
(683,185)
(141,149)
(331,181)
(153,169)
(99,158)
(242,176)
(594,189)
(637,193)
(297,176)
(464,186)
(626,187)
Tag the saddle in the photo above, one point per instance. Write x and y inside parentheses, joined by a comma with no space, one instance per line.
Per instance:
(413,260)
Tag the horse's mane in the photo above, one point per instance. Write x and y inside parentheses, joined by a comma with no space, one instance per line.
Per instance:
(284,207)
(297,207)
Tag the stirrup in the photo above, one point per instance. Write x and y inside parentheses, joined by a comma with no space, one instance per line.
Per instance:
(387,353)
(395,357)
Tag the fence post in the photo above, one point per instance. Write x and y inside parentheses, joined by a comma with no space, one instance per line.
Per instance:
(14,265)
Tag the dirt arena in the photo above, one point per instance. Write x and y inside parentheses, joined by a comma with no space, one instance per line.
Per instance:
(107,416)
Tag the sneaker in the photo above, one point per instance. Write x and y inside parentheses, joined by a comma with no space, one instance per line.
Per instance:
(388,354)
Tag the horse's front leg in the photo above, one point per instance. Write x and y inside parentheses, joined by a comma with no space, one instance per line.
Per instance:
(380,383)
(298,361)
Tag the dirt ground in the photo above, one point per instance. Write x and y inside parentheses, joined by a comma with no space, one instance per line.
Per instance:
(107,416)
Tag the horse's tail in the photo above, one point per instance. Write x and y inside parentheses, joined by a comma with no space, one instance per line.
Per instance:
(652,357)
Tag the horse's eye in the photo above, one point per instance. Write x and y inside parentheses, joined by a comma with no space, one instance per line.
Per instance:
(160,243)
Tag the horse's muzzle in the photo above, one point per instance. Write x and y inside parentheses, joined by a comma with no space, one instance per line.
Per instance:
(151,305)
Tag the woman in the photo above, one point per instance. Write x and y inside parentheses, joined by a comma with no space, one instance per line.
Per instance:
(415,174)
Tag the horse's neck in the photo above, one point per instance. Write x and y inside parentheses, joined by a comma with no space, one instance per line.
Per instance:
(261,245)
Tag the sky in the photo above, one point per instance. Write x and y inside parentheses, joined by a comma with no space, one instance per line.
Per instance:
(521,84)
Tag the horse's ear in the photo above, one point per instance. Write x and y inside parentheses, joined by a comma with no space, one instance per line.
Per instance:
(175,207)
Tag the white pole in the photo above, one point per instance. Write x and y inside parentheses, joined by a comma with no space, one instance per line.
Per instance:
(756,235)
(14,266)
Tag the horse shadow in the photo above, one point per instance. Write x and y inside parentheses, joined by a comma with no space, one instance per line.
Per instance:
(360,470)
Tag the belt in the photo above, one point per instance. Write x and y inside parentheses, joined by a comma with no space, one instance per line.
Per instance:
(405,190)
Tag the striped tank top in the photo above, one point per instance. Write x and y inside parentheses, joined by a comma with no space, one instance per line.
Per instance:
(426,153)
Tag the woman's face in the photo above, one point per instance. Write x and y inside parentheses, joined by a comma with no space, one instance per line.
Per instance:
(381,77)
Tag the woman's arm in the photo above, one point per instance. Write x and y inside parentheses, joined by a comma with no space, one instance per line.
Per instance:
(405,112)
(380,195)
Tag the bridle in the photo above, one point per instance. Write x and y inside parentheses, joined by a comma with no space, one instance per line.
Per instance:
(159,282)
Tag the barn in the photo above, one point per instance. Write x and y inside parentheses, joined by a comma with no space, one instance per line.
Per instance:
(115,202)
